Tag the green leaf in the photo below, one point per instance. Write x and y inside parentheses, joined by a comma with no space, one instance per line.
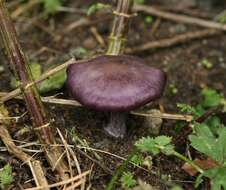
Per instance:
(198,180)
(163,140)
(211,98)
(222,19)
(214,123)
(97,7)
(52,6)
(147,145)
(54,82)
(168,150)
(137,159)
(79,52)
(206,142)
(221,145)
(206,63)
(218,178)
(199,110)
(149,20)
(36,73)
(185,108)
(127,180)
(155,145)
(6,177)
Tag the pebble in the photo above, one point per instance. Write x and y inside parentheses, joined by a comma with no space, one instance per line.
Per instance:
(89,43)
(153,125)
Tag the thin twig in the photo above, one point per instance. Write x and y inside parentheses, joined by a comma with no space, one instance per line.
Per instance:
(67,102)
(180,18)
(67,152)
(24,8)
(187,130)
(84,22)
(47,99)
(187,118)
(169,42)
(98,37)
(49,73)
(34,165)
(16,118)
(65,182)
(105,169)
(111,154)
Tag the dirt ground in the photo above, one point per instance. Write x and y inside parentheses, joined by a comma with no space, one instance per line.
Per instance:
(181,63)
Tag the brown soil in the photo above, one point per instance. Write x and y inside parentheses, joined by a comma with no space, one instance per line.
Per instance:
(181,63)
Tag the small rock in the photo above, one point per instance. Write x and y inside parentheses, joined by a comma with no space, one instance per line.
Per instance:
(153,124)
(89,43)
(2,69)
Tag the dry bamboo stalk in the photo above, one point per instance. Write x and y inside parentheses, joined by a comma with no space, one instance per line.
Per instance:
(120,27)
(18,63)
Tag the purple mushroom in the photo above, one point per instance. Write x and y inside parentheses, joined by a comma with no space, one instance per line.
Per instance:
(116,84)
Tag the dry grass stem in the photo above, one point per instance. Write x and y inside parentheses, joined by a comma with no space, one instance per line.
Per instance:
(111,154)
(79,177)
(34,165)
(180,18)
(24,8)
(17,91)
(187,118)
(97,36)
(169,42)
(66,151)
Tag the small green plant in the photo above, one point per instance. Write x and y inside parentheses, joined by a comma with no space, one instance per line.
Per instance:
(206,64)
(208,138)
(213,146)
(52,6)
(54,82)
(222,19)
(79,52)
(173,89)
(148,19)
(137,159)
(6,177)
(185,108)
(162,144)
(210,98)
(155,145)
(128,180)
(97,7)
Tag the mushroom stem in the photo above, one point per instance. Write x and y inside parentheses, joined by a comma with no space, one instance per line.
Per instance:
(116,126)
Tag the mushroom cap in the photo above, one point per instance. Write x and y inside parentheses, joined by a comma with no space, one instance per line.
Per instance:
(115,83)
